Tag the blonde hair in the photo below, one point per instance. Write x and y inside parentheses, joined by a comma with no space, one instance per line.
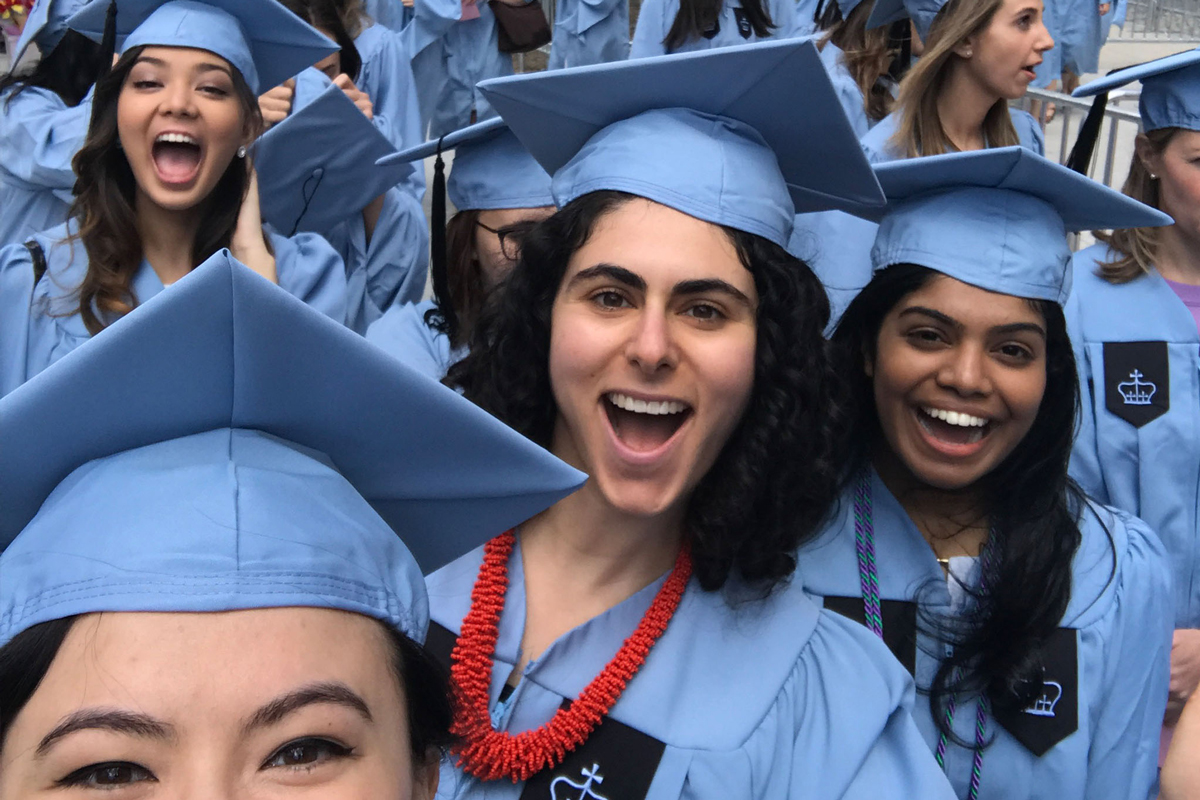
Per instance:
(868,55)
(919,131)
(1136,246)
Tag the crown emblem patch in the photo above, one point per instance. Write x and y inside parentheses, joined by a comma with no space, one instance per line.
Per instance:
(1044,706)
(1137,381)
(563,788)
(1054,713)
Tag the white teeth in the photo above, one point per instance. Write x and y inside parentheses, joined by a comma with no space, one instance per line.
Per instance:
(176,138)
(959,418)
(656,408)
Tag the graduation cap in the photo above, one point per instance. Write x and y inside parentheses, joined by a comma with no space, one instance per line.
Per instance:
(491,170)
(921,12)
(317,167)
(226,447)
(262,39)
(46,25)
(743,136)
(1170,98)
(996,218)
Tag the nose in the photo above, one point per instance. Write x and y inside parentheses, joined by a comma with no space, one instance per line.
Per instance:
(651,346)
(1045,41)
(178,100)
(965,372)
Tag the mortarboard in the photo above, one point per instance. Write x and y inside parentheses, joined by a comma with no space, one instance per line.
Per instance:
(996,218)
(744,136)
(921,12)
(318,167)
(1170,90)
(226,447)
(262,39)
(46,25)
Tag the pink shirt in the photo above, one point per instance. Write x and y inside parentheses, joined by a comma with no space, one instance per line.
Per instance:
(1190,295)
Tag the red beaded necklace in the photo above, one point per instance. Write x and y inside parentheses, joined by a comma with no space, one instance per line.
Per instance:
(489,754)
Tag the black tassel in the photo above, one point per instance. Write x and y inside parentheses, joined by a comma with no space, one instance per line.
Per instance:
(1085,144)
(437,247)
(108,46)
(900,38)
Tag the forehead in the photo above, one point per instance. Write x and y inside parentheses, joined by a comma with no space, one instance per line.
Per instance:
(972,307)
(662,246)
(183,58)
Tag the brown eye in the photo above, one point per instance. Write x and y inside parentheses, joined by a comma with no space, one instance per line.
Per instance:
(306,752)
(110,775)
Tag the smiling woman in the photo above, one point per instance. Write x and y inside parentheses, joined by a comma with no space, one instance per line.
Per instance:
(1031,617)
(163,180)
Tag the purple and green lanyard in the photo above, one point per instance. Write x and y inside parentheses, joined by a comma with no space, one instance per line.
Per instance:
(864,535)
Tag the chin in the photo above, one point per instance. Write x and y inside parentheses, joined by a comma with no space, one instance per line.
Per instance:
(639,498)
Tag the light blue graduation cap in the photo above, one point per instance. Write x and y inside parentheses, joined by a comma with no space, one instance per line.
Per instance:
(742,136)
(921,12)
(1170,90)
(997,219)
(317,167)
(46,25)
(226,447)
(264,41)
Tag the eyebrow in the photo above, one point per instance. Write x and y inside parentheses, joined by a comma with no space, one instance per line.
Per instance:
(203,67)
(314,694)
(634,281)
(1012,327)
(106,719)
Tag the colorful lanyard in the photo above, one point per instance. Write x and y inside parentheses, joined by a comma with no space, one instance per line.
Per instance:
(864,538)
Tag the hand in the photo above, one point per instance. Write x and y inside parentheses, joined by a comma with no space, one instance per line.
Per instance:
(1104,8)
(249,244)
(359,97)
(276,104)
(1185,672)
(1180,777)
(408,3)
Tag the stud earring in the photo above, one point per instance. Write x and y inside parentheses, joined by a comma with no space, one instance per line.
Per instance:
(1153,177)
(968,53)
(241,153)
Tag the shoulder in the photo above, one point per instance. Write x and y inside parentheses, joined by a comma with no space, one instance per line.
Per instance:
(33,99)
(449,589)
(403,333)
(372,41)
(304,247)
(876,143)
(1120,561)
(1029,131)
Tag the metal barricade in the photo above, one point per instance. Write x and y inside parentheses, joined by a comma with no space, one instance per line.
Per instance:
(1114,147)
(1161,20)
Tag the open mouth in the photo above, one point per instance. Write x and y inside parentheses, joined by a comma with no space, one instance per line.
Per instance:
(1030,71)
(176,158)
(954,427)
(644,426)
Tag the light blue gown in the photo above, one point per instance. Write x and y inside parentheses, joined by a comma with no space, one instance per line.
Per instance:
(388,13)
(39,324)
(1148,467)
(657,17)
(589,32)
(387,78)
(39,135)
(837,246)
(447,66)
(402,333)
(760,699)
(1119,622)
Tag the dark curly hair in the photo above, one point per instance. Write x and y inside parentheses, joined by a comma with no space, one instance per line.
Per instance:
(774,481)
(1033,507)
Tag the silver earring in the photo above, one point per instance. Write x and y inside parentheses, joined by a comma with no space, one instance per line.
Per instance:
(242,151)
(1153,177)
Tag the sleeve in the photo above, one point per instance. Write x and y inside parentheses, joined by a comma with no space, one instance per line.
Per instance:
(391,268)
(1085,453)
(39,136)
(388,80)
(783,14)
(1029,132)
(308,268)
(857,724)
(16,303)
(592,12)
(1123,759)
(650,31)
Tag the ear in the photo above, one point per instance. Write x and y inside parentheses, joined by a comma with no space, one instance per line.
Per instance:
(965,48)
(1151,160)
(868,363)
(426,775)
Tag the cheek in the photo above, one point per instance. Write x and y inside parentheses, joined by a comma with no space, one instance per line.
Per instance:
(1024,395)
(576,353)
(727,369)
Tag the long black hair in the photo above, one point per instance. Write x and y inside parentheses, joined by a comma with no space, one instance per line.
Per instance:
(326,15)
(26,659)
(69,70)
(776,478)
(696,18)
(1032,505)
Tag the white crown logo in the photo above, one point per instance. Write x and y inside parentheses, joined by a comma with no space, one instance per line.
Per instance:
(1044,705)
(1136,392)
(584,789)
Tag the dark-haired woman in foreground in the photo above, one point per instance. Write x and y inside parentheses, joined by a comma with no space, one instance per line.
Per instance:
(1036,621)
(163,181)
(644,637)
(678,26)
(44,114)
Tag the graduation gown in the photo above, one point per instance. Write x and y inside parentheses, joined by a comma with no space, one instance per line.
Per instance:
(40,323)
(1138,446)
(657,16)
(589,32)
(837,246)
(403,334)
(39,135)
(387,78)
(1097,720)
(757,699)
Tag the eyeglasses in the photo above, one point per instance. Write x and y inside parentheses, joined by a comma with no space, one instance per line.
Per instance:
(510,237)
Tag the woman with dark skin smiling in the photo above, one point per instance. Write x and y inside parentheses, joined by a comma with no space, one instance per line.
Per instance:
(1032,618)
(226,614)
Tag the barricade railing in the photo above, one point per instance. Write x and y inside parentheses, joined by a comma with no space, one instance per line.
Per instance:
(1161,20)
(1114,147)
